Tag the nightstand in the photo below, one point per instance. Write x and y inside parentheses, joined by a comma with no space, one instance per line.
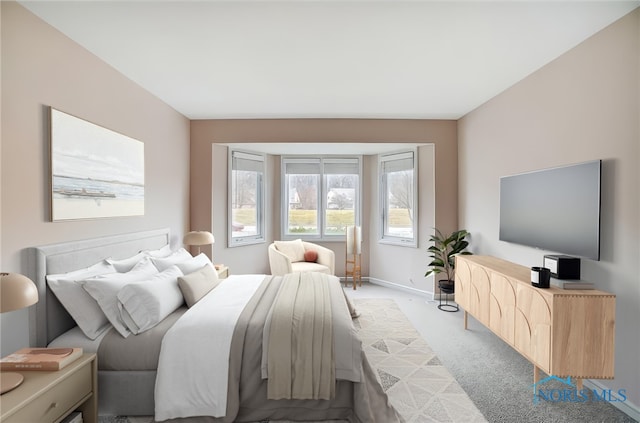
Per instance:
(51,396)
(223,271)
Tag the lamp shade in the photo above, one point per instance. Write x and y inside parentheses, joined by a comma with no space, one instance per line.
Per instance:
(198,238)
(354,240)
(16,292)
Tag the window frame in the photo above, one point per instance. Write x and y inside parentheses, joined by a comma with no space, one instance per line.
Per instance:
(259,237)
(322,194)
(383,237)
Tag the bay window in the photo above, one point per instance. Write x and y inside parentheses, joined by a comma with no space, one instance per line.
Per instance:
(321,196)
(246,198)
(398,195)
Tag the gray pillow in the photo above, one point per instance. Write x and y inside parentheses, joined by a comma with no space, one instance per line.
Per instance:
(196,285)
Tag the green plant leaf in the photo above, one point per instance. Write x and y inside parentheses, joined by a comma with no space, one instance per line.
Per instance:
(444,250)
(437,263)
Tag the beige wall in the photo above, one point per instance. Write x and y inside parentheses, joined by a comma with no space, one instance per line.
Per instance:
(207,208)
(41,68)
(582,106)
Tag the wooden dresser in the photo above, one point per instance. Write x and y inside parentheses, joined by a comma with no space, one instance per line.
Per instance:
(562,332)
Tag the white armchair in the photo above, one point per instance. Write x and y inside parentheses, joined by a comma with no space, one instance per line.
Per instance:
(290,258)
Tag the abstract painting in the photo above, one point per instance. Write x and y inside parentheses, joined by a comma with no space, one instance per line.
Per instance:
(95,172)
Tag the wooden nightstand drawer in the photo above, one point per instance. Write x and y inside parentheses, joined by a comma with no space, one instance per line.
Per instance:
(50,396)
(223,271)
(68,394)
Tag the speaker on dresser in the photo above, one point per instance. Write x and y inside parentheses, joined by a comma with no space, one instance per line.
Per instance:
(563,267)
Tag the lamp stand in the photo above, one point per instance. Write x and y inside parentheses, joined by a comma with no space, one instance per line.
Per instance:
(9,381)
(353,260)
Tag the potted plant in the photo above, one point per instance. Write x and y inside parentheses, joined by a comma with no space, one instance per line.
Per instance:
(443,252)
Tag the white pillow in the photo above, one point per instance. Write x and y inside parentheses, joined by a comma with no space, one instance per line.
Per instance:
(79,304)
(196,285)
(125,265)
(175,258)
(104,289)
(292,249)
(144,304)
(194,263)
(161,252)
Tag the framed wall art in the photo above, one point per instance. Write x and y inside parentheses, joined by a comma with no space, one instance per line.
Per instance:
(95,172)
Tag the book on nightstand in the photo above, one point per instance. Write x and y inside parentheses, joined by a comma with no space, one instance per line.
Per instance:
(44,359)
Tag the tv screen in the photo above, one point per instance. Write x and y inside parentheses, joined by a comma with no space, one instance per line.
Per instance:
(554,209)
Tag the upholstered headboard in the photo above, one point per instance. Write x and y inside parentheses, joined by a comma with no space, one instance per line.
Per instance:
(48,319)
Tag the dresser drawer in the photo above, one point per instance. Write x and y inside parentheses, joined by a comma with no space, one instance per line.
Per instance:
(56,401)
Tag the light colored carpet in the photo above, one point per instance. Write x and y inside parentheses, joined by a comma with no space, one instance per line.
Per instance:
(414,378)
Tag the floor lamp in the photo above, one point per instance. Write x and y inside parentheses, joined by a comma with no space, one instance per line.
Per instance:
(16,292)
(353,259)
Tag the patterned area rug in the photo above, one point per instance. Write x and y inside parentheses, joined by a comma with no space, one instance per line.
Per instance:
(418,385)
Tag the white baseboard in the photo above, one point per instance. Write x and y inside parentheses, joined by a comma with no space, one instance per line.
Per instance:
(425,294)
(627,407)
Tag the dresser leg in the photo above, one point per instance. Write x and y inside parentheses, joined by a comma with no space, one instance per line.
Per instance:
(465,319)
(536,374)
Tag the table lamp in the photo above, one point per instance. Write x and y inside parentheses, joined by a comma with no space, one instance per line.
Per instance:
(16,292)
(198,238)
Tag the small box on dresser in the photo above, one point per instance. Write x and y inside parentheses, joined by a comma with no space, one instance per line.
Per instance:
(562,267)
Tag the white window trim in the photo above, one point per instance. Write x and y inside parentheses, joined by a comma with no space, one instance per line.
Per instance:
(259,238)
(395,240)
(321,201)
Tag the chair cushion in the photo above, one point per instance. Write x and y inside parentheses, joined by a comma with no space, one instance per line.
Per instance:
(305,266)
(292,249)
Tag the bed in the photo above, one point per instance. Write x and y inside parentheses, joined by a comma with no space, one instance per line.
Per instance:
(132,390)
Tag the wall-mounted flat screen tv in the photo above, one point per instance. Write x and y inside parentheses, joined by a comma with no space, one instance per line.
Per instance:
(554,209)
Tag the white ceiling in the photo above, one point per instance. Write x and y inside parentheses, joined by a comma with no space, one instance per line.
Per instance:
(328,59)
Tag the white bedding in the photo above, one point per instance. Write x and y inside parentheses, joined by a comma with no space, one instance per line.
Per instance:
(77,339)
(183,390)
